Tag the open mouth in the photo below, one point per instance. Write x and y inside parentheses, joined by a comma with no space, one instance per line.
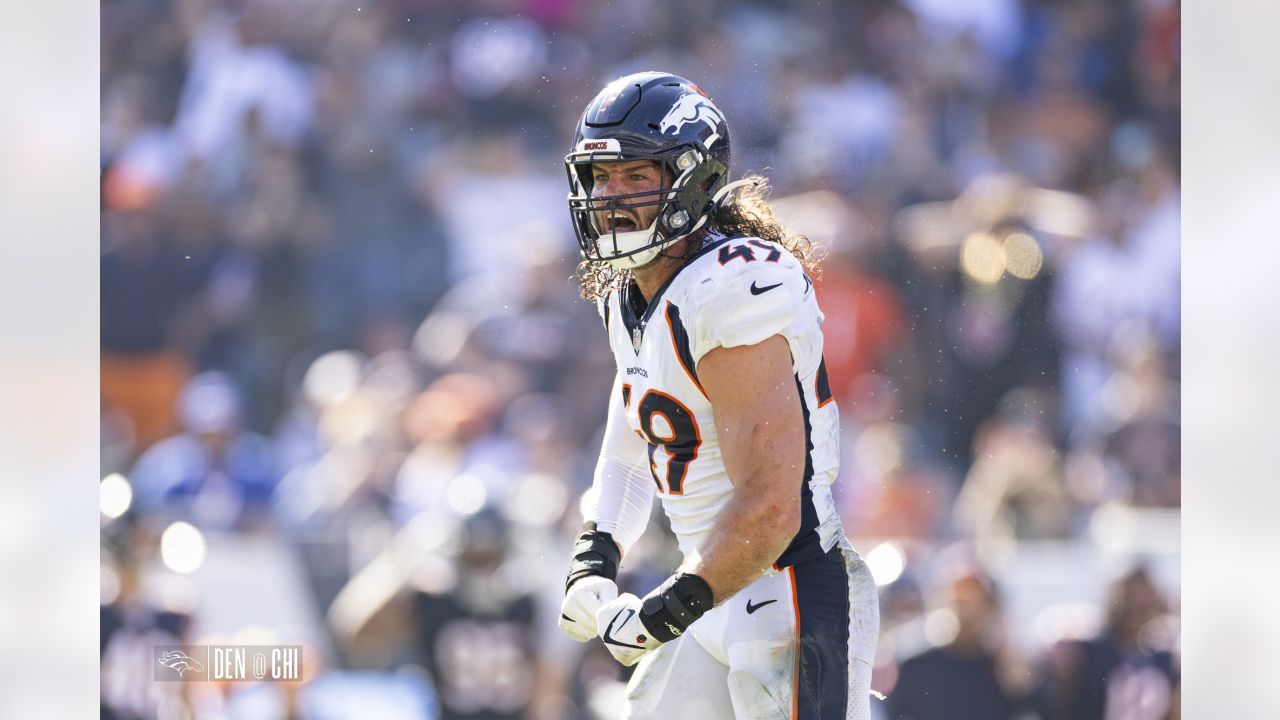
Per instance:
(619,223)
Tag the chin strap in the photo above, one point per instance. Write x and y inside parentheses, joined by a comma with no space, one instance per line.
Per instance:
(627,262)
(724,191)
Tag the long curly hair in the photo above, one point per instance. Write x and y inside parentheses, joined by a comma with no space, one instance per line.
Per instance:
(745,211)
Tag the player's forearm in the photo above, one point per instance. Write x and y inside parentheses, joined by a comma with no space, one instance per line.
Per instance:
(622,489)
(747,538)
(619,500)
(760,426)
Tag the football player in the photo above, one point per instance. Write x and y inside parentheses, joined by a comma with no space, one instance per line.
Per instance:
(477,637)
(722,409)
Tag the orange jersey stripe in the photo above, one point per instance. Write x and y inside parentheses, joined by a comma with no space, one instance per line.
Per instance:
(795,680)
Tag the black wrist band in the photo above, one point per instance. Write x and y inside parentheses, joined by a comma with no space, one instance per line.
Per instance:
(671,608)
(594,553)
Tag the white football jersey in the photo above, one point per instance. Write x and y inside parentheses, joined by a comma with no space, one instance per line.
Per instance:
(737,291)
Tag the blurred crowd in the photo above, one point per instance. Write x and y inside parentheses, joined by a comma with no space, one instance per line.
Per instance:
(342,350)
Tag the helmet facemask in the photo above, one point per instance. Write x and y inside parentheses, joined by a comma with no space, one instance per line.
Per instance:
(682,208)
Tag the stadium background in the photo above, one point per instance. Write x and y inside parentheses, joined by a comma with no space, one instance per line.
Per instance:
(341,346)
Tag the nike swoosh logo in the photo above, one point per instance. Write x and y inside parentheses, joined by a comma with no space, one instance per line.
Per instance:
(757,290)
(752,608)
(608,632)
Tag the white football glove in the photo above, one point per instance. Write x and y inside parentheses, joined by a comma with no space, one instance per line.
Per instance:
(626,637)
(581,601)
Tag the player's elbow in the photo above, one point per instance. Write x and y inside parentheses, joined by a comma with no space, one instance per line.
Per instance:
(786,494)
(788,522)
(777,503)
(777,517)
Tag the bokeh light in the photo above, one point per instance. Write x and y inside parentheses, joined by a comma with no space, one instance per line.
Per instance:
(982,258)
(1066,621)
(352,420)
(886,562)
(441,337)
(466,494)
(1111,527)
(941,626)
(537,499)
(108,583)
(115,495)
(182,547)
(879,449)
(332,378)
(1023,258)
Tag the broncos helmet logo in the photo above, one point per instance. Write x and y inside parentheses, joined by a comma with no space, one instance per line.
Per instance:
(691,107)
(179,661)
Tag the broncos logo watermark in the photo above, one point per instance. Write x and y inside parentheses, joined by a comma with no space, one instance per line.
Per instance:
(180,661)
(691,107)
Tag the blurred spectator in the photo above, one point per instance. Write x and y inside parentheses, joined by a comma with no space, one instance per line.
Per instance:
(1130,670)
(493,201)
(214,473)
(891,490)
(974,674)
(1119,286)
(146,284)
(328,380)
(378,239)
(865,326)
(1141,448)
(478,639)
(1014,488)
(471,621)
(236,70)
